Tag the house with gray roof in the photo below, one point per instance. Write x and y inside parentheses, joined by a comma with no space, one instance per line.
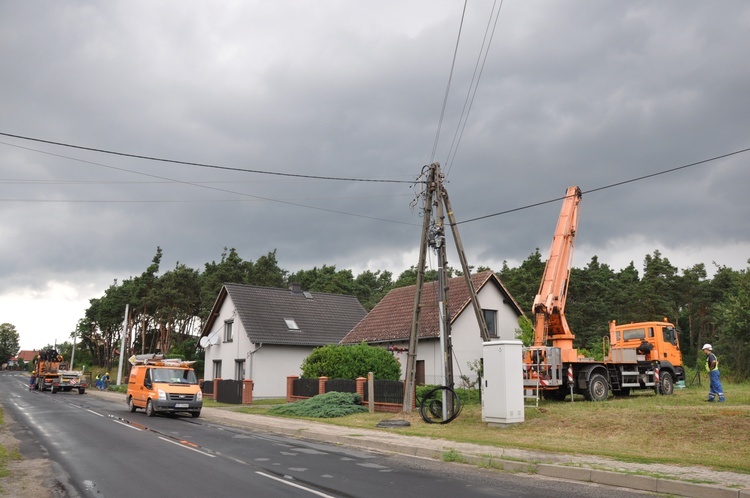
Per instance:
(389,324)
(264,333)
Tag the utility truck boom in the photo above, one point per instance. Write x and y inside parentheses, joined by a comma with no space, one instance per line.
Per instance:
(643,355)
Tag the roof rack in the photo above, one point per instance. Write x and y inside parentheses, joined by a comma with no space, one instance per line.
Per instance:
(158,360)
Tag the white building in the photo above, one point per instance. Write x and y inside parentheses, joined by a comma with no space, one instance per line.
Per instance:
(264,333)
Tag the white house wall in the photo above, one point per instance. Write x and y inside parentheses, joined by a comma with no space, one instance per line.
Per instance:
(271,364)
(227,352)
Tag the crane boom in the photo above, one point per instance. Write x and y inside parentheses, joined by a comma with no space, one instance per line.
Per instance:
(549,303)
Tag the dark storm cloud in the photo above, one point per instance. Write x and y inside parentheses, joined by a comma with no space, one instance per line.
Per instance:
(571,93)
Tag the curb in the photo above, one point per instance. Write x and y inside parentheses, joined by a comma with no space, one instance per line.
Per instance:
(573,473)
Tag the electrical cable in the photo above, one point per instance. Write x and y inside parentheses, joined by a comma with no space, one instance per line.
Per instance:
(448,86)
(473,86)
(202,165)
(220,190)
(611,185)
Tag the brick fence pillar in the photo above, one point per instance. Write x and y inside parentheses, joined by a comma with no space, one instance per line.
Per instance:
(361,386)
(216,389)
(413,395)
(290,387)
(322,384)
(247,392)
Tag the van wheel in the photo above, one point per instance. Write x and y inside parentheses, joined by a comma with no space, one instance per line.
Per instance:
(131,405)
(196,414)
(149,408)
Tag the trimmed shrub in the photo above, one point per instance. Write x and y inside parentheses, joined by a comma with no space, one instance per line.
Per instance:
(350,362)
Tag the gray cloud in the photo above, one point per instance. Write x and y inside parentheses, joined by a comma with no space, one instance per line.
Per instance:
(571,93)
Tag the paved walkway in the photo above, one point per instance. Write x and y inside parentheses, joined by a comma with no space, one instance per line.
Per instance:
(672,479)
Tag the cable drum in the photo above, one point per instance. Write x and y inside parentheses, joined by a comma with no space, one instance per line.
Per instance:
(431,405)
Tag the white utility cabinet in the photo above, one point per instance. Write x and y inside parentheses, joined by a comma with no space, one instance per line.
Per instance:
(502,384)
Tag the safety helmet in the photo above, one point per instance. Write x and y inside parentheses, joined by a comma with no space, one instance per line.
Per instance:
(707,346)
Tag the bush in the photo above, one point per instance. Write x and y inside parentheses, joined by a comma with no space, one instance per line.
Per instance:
(328,405)
(350,362)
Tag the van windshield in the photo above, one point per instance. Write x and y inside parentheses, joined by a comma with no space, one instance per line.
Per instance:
(174,375)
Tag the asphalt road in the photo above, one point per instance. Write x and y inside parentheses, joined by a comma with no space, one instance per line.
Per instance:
(109,452)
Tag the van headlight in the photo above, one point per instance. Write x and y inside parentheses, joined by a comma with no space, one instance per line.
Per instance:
(162,395)
(199,396)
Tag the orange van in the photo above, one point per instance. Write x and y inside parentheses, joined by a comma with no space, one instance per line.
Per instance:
(160,385)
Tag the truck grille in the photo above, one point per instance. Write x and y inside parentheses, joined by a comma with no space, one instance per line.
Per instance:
(181,397)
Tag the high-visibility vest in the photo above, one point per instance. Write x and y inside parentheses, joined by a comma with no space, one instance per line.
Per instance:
(708,362)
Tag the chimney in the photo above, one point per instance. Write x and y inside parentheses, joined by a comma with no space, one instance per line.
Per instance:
(295,287)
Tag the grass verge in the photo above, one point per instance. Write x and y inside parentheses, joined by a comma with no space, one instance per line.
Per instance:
(681,429)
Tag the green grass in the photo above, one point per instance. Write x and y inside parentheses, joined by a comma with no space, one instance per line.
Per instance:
(6,455)
(680,429)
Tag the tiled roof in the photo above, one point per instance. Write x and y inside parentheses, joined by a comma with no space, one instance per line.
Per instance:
(322,318)
(27,355)
(391,318)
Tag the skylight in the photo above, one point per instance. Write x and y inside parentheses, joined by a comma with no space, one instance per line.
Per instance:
(291,324)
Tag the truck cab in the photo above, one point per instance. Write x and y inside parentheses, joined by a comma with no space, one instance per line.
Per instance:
(159,385)
(652,342)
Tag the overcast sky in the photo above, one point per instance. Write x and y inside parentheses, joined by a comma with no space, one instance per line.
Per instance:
(566,93)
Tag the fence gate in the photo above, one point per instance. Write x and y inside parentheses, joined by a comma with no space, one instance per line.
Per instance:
(229,391)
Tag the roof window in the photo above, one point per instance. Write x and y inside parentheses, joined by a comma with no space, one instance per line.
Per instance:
(291,324)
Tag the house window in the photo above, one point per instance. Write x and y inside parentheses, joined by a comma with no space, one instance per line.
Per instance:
(490,318)
(239,369)
(217,369)
(291,324)
(228,333)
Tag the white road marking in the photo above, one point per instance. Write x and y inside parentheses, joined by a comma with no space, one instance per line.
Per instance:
(187,447)
(294,485)
(126,425)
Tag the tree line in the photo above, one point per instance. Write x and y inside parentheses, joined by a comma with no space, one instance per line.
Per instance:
(168,309)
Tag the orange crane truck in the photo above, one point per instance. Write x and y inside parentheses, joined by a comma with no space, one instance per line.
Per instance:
(643,355)
(52,373)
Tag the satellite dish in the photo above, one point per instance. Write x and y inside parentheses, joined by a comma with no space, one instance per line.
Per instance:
(204,341)
(214,340)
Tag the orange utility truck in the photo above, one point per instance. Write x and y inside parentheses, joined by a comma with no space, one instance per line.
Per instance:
(642,355)
(52,373)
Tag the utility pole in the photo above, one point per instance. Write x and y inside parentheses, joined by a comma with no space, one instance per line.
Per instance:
(433,234)
(411,359)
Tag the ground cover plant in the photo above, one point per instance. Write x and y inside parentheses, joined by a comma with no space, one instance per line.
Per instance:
(679,429)
(328,405)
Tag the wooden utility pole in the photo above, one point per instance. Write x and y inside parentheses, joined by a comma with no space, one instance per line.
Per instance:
(433,234)
(411,359)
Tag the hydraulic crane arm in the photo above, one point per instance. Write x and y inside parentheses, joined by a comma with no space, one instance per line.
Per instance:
(549,303)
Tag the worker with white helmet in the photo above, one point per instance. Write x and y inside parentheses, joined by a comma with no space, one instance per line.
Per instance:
(712,366)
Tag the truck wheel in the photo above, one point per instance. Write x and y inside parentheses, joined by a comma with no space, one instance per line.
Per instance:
(81,391)
(149,409)
(53,390)
(131,405)
(598,388)
(667,384)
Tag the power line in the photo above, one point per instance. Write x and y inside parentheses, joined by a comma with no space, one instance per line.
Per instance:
(473,86)
(448,86)
(612,185)
(203,165)
(220,189)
